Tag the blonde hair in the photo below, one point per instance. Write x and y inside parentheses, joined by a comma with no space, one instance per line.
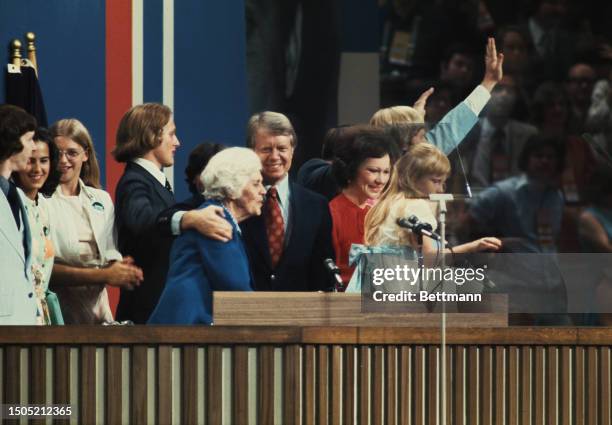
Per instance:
(74,130)
(421,160)
(396,115)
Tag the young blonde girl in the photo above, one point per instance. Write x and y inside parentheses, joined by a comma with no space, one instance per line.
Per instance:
(421,172)
(418,174)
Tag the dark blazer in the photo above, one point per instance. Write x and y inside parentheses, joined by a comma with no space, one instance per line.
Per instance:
(307,244)
(200,266)
(139,199)
(164,219)
(316,175)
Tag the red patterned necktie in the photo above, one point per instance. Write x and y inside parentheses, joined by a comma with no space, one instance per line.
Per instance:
(275,228)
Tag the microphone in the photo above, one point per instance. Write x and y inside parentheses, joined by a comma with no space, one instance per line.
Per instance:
(418,227)
(468,189)
(333,269)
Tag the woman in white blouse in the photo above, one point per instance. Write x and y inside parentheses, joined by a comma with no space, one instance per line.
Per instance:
(40,177)
(82,226)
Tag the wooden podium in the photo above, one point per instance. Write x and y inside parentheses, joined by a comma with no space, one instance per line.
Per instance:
(341,309)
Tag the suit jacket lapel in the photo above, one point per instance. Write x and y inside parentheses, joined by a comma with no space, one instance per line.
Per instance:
(10,231)
(296,207)
(27,234)
(164,193)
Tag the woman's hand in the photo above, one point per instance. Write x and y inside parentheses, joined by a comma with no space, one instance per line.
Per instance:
(124,274)
(486,244)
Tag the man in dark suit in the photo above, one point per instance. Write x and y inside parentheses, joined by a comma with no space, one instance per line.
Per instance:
(288,243)
(146,141)
(302,217)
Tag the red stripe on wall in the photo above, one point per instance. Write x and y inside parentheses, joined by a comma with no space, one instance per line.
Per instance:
(118,89)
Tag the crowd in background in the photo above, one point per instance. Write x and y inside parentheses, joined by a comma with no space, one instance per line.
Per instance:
(555,89)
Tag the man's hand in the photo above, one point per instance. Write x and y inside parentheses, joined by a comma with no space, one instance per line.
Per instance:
(209,222)
(493,66)
(421,102)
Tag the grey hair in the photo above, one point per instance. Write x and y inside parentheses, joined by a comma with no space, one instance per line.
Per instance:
(274,123)
(228,172)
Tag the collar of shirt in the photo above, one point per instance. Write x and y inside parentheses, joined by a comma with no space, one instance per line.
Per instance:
(532,188)
(522,181)
(152,169)
(232,218)
(84,193)
(4,185)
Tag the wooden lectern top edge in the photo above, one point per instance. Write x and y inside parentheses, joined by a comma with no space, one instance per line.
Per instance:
(283,335)
(341,309)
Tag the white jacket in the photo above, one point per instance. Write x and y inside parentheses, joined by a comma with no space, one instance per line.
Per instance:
(101,212)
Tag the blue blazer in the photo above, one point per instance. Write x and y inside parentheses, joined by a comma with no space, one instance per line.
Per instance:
(307,244)
(199,266)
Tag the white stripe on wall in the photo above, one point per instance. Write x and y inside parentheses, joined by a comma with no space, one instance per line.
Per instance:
(168,66)
(137,52)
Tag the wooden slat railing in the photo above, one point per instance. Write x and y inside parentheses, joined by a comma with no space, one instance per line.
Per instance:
(293,375)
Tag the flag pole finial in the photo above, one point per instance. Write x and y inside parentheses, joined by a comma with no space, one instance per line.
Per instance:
(30,38)
(16,52)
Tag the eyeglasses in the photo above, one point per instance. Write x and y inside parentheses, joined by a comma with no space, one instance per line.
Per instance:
(70,153)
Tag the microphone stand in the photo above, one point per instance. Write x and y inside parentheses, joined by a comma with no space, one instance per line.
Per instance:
(420,259)
(441,199)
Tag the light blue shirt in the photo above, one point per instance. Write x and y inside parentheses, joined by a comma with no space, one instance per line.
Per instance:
(457,123)
(509,209)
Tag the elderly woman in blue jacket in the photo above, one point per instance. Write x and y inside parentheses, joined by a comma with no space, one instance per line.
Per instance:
(199,265)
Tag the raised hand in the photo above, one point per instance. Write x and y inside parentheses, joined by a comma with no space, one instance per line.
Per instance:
(421,102)
(493,66)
